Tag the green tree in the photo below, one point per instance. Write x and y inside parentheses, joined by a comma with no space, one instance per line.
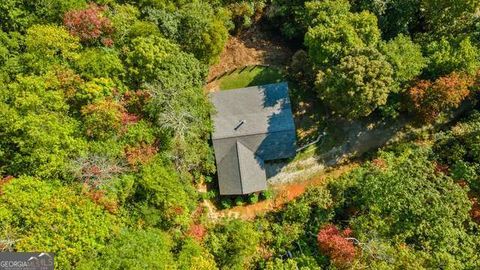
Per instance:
(69,224)
(279,264)
(48,46)
(335,31)
(202,31)
(169,196)
(234,244)
(459,149)
(126,21)
(358,84)
(449,17)
(37,136)
(96,90)
(154,58)
(405,57)
(395,16)
(100,62)
(447,55)
(9,46)
(167,21)
(289,15)
(17,15)
(433,17)
(102,119)
(193,256)
(401,197)
(135,250)
(50,41)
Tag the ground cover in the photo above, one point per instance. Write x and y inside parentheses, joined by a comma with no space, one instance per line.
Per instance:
(250,76)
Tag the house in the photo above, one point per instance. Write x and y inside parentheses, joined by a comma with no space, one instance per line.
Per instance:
(252,126)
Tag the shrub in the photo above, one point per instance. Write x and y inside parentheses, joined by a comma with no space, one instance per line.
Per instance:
(239,201)
(226,203)
(267,194)
(253,198)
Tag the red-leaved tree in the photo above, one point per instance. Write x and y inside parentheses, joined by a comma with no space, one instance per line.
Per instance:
(334,244)
(89,24)
(428,99)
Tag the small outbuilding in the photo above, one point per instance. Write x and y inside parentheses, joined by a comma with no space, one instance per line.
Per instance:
(251,126)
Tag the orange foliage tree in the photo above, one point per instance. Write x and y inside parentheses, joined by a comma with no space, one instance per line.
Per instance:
(428,99)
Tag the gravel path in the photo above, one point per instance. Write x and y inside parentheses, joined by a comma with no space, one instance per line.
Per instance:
(361,137)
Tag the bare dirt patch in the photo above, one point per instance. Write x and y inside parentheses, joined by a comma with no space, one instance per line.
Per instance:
(284,193)
(255,46)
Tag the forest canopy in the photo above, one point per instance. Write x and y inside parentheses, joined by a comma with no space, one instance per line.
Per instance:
(105,127)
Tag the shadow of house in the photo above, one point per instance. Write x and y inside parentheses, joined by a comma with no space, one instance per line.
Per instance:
(252,125)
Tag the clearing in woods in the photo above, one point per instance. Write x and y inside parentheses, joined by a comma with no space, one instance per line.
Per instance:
(249,48)
(343,139)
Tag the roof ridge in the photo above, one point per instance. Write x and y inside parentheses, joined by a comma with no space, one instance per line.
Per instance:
(237,143)
(253,134)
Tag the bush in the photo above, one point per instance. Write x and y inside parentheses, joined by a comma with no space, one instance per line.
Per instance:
(267,194)
(239,201)
(209,195)
(253,198)
(226,203)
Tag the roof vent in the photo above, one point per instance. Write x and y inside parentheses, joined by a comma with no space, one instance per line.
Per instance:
(240,123)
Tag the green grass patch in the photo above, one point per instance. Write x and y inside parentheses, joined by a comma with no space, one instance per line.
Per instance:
(251,76)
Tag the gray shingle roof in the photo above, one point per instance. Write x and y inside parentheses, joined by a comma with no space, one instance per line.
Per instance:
(251,125)
(263,109)
(243,166)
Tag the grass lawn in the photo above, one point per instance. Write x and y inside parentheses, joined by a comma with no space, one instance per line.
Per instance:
(251,76)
